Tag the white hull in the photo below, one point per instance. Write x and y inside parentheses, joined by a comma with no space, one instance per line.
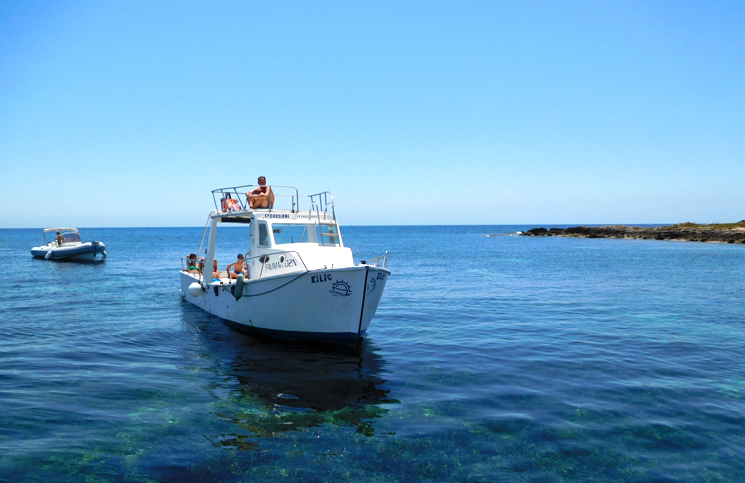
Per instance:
(89,251)
(329,305)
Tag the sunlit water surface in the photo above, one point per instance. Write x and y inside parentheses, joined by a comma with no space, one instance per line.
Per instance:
(491,358)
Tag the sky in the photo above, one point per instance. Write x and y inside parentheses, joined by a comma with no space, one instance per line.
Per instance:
(129,113)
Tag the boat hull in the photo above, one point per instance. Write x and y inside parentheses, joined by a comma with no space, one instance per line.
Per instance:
(89,251)
(331,305)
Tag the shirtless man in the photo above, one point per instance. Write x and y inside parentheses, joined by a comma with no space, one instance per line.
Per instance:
(60,239)
(239,267)
(261,197)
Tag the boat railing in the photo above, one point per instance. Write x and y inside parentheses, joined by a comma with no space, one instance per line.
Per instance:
(322,203)
(267,258)
(235,198)
(380,261)
(195,266)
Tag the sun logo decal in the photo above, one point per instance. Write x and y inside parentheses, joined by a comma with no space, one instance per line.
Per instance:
(341,288)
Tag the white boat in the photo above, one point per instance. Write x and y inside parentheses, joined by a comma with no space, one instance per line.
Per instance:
(68,246)
(302,281)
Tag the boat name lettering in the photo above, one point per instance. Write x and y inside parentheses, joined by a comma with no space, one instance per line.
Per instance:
(324,277)
(277,215)
(371,285)
(290,262)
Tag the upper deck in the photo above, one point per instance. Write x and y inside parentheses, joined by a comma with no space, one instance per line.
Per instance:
(288,204)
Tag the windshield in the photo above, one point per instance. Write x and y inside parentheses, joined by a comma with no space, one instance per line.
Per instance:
(291,233)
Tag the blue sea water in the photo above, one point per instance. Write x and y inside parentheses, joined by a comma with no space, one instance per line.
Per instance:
(491,358)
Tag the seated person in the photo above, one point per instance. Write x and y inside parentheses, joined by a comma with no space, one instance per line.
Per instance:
(215,271)
(238,267)
(192,264)
(261,197)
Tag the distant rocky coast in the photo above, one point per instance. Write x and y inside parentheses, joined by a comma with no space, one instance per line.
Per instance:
(721,232)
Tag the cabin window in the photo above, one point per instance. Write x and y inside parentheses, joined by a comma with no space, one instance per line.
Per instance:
(263,235)
(291,233)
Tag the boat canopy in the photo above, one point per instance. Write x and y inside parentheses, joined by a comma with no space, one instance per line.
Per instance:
(74,230)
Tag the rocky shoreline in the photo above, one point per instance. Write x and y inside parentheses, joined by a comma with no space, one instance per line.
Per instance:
(718,233)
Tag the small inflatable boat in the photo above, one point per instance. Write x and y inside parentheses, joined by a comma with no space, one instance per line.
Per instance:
(68,246)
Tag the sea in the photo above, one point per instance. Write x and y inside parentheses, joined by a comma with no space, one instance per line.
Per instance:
(492,358)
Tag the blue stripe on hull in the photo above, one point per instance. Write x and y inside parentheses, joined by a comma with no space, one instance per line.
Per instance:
(81,253)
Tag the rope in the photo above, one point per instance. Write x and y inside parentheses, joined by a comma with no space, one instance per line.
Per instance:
(276,288)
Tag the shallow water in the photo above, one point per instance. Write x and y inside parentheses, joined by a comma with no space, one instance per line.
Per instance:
(497,358)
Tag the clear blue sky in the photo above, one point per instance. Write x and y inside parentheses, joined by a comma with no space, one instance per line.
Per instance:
(128,113)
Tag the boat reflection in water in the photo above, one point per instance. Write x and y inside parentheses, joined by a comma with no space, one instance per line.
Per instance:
(271,387)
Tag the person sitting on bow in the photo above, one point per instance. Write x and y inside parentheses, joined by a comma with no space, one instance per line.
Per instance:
(261,197)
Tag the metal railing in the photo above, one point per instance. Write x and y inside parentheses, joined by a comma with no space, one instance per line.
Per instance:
(238,196)
(376,262)
(196,266)
(235,198)
(319,202)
